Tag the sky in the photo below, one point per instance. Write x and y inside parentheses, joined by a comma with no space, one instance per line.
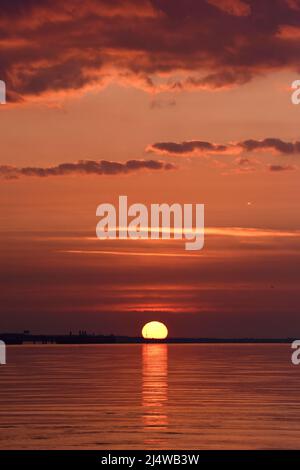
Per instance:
(176,101)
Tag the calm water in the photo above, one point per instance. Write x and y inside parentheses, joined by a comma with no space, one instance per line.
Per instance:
(149,396)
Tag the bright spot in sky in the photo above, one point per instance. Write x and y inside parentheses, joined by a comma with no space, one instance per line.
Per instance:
(154,330)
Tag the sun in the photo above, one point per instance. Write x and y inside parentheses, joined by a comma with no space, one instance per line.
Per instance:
(154,330)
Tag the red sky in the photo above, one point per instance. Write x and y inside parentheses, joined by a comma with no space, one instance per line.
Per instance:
(198,94)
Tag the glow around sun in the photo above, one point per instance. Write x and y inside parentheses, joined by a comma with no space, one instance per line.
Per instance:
(154,330)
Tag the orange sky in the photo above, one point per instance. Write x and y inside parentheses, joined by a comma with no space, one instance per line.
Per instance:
(108,94)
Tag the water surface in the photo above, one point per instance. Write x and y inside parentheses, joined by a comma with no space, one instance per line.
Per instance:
(153,396)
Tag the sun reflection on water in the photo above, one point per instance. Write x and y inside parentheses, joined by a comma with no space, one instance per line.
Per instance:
(155,388)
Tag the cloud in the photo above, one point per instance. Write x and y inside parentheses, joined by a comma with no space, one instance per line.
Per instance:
(243,161)
(198,147)
(243,151)
(85,167)
(212,81)
(54,47)
(188,147)
(279,168)
(160,103)
(274,144)
(233,7)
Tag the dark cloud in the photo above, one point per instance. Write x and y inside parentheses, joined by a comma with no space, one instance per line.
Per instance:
(198,147)
(187,147)
(271,144)
(213,81)
(54,46)
(85,167)
(278,168)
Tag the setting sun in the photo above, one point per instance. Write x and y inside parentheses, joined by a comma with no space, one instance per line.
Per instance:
(154,330)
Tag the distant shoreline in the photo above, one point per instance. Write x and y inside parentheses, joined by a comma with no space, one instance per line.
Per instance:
(24,338)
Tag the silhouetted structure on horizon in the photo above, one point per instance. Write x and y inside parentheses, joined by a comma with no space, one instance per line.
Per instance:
(84,338)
